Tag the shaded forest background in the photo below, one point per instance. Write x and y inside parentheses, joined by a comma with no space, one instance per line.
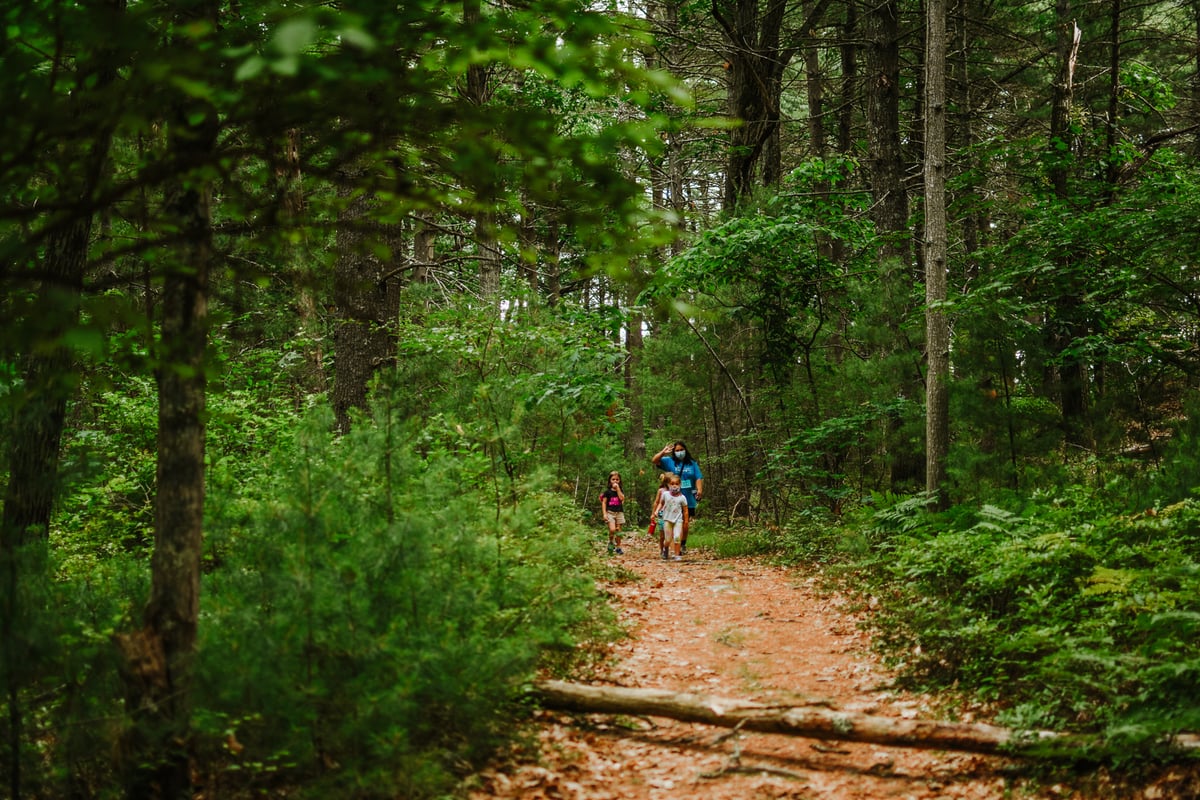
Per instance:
(324,324)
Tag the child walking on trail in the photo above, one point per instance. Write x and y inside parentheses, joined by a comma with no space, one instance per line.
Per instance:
(675,516)
(612,506)
(656,513)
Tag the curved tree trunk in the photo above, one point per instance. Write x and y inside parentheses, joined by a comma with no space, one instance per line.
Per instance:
(37,425)
(34,440)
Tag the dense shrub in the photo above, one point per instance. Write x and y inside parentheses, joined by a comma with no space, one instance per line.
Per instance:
(376,613)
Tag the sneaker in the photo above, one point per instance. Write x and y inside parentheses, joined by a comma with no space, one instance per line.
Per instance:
(664,553)
(620,552)
(611,549)
(677,558)
(683,550)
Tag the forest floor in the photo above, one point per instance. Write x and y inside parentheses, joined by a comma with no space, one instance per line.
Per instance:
(741,628)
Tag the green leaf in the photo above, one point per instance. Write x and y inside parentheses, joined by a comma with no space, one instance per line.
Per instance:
(358,37)
(294,36)
(251,68)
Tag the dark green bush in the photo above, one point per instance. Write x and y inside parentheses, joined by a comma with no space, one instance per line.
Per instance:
(377,615)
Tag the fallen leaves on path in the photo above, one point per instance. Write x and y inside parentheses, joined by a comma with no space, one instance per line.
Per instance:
(741,628)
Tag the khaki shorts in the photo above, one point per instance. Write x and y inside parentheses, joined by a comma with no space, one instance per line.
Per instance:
(614,518)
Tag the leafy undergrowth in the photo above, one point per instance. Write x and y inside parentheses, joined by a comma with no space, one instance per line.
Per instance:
(1061,614)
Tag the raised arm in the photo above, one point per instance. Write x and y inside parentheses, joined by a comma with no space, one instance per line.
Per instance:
(657,458)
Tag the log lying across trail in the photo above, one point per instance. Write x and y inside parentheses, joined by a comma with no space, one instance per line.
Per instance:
(814,722)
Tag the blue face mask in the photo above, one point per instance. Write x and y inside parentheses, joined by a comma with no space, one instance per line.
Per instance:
(681,453)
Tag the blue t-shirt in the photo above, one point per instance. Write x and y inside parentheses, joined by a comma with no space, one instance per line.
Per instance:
(688,472)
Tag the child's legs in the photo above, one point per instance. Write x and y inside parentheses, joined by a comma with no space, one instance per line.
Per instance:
(674,532)
(615,521)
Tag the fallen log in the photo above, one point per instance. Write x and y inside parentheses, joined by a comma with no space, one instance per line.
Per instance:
(814,722)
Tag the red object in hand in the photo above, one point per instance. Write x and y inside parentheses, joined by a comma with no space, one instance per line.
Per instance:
(653,524)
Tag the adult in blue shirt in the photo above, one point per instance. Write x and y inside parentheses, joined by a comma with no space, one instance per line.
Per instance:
(676,458)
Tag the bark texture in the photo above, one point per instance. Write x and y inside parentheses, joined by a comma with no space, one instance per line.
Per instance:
(817,722)
(366,300)
(937,327)
(813,721)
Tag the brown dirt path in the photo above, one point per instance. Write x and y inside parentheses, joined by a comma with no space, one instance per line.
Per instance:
(739,628)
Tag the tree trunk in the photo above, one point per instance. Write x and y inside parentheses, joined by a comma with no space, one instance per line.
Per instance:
(1063,90)
(889,195)
(1112,159)
(635,446)
(1195,115)
(289,175)
(35,432)
(364,302)
(487,249)
(160,658)
(34,441)
(814,86)
(849,93)
(816,722)
(755,63)
(889,210)
(37,425)
(1068,326)
(974,222)
(48,380)
(937,328)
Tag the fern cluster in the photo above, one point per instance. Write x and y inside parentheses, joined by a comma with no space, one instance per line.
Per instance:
(1063,614)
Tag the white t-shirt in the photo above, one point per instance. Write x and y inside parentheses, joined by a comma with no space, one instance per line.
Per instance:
(673,506)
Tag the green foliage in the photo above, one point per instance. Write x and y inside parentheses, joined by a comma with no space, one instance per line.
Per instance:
(1179,476)
(1099,282)
(539,391)
(373,618)
(109,461)
(1066,614)
(815,460)
(57,648)
(759,319)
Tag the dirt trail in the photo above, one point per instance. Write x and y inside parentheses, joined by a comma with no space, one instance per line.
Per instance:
(739,628)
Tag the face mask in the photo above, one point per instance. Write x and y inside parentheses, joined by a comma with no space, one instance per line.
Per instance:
(680,453)
(675,490)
